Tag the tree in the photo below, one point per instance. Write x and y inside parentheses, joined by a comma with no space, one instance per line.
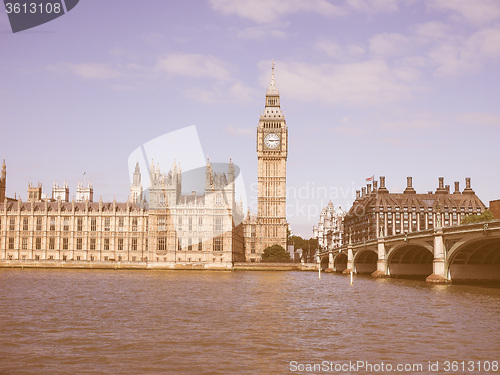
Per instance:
(485,216)
(308,247)
(275,253)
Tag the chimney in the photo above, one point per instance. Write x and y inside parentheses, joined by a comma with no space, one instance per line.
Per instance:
(368,188)
(382,188)
(447,187)
(468,189)
(363,191)
(357,194)
(409,188)
(457,188)
(375,183)
(441,189)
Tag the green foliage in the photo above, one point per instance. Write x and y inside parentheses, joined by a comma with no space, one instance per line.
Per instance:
(308,246)
(485,216)
(275,253)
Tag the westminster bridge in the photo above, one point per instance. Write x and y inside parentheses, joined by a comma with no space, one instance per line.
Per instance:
(461,253)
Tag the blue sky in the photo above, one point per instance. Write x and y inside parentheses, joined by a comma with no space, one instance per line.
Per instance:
(386,88)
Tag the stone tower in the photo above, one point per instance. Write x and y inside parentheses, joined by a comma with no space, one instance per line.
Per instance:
(3,181)
(136,188)
(272,151)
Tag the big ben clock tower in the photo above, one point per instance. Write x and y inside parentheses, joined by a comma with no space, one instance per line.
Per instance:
(272,150)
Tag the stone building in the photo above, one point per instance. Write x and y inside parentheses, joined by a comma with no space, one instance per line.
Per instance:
(330,227)
(495,208)
(3,181)
(378,213)
(269,226)
(175,231)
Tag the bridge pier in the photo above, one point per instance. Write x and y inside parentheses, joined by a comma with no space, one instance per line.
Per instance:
(350,259)
(330,263)
(381,261)
(439,264)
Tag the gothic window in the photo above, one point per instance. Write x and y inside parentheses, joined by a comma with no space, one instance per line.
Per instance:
(52,224)
(134,244)
(79,243)
(218,224)
(38,243)
(200,244)
(121,224)
(92,244)
(52,243)
(24,243)
(107,224)
(106,244)
(190,244)
(79,224)
(65,243)
(25,223)
(66,224)
(134,224)
(38,223)
(12,223)
(200,223)
(190,223)
(93,224)
(120,243)
(162,243)
(11,243)
(179,223)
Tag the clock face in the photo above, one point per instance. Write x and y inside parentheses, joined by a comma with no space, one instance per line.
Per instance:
(272,140)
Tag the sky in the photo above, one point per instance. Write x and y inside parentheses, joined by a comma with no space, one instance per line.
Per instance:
(390,88)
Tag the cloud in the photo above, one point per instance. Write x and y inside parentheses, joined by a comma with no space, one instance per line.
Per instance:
(466,54)
(477,12)
(479,119)
(260,32)
(238,131)
(390,45)
(373,6)
(193,65)
(267,11)
(222,92)
(340,52)
(89,70)
(364,83)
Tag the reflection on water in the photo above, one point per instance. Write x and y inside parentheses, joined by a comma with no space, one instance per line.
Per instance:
(199,322)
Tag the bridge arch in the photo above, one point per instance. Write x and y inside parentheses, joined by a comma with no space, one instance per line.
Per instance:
(410,260)
(340,262)
(365,261)
(475,260)
(324,262)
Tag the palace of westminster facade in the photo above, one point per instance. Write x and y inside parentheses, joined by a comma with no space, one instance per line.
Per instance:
(171,230)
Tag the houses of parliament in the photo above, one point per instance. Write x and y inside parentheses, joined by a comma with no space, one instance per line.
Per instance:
(168,230)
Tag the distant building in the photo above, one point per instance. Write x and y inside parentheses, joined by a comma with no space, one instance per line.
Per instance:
(330,227)
(495,208)
(34,192)
(377,212)
(177,230)
(3,181)
(136,188)
(60,193)
(84,194)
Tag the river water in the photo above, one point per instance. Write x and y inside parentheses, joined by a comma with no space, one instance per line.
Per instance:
(202,322)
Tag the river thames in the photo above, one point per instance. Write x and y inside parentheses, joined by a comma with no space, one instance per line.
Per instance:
(201,322)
